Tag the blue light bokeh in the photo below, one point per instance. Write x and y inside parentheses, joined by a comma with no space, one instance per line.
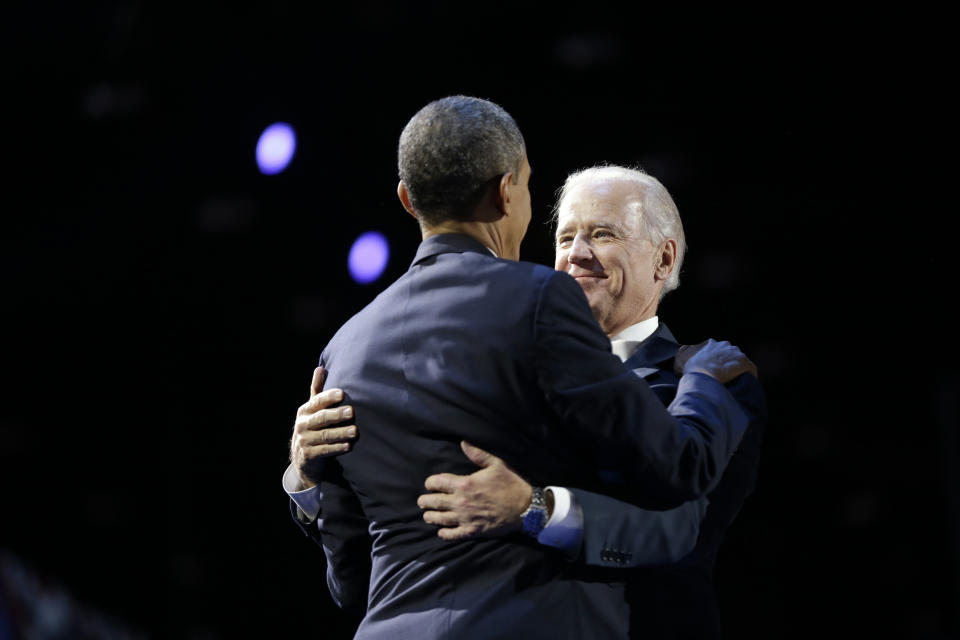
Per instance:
(275,148)
(368,257)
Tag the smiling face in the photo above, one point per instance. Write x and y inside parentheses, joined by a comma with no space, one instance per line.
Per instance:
(600,242)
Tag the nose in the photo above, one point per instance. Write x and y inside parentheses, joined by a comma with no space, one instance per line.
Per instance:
(581,254)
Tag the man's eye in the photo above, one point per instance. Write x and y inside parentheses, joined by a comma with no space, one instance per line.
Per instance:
(562,240)
(602,234)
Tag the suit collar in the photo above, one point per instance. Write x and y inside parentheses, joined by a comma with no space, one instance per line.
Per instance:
(448,243)
(658,348)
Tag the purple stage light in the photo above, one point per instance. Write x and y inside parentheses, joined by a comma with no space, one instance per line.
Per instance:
(275,148)
(368,257)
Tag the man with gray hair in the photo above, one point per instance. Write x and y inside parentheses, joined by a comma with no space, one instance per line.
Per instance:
(619,234)
(470,345)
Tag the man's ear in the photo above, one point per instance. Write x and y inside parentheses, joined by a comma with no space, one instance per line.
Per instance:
(504,193)
(666,259)
(404,196)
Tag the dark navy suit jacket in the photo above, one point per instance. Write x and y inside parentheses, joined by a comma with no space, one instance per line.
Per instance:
(506,355)
(671,593)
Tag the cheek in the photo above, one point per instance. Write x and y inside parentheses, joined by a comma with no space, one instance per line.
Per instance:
(597,291)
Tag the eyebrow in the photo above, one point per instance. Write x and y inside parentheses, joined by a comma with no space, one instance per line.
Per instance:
(619,229)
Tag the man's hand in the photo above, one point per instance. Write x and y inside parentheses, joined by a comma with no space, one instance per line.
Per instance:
(720,360)
(486,503)
(313,436)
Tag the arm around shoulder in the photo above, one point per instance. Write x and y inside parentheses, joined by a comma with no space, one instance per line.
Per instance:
(644,454)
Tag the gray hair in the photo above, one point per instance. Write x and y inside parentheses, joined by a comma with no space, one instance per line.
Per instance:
(451,150)
(658,215)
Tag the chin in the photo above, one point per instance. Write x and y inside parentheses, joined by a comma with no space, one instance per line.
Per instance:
(598,310)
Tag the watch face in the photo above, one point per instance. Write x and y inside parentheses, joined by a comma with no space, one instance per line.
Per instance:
(535,517)
(534,521)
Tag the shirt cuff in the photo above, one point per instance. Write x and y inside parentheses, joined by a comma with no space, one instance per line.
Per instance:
(564,529)
(307,499)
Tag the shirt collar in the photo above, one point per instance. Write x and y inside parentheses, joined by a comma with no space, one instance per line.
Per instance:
(625,343)
(638,332)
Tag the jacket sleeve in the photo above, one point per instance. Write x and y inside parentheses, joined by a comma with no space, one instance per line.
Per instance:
(617,534)
(342,528)
(640,452)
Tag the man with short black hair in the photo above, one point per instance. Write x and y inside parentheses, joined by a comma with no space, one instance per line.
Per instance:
(450,152)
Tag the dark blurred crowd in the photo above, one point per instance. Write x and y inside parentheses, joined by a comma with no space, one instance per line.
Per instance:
(35,607)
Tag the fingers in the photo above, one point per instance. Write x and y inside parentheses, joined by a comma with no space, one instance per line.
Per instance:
(441,518)
(443,482)
(458,533)
(435,502)
(450,526)
(478,456)
(718,359)
(693,348)
(713,347)
(316,385)
(333,435)
(325,399)
(741,365)
(315,452)
(440,511)
(320,401)
(323,419)
(736,363)
(685,353)
(309,446)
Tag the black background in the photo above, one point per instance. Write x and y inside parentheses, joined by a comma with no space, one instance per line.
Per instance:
(166,303)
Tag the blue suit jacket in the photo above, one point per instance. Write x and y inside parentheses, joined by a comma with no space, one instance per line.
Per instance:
(466,346)
(671,592)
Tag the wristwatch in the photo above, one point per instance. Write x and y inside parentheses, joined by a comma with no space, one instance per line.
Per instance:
(535,517)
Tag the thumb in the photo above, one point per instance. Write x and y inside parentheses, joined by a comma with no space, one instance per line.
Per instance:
(316,385)
(477,455)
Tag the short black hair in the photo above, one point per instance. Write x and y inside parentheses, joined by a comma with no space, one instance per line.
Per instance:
(451,150)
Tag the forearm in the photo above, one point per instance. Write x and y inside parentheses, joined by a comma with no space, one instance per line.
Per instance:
(646,455)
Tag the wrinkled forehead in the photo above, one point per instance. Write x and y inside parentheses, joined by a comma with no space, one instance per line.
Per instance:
(590,202)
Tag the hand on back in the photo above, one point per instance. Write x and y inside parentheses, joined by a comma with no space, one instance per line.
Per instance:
(318,431)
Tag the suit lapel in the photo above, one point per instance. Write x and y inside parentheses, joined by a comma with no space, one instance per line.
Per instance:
(653,361)
(652,354)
